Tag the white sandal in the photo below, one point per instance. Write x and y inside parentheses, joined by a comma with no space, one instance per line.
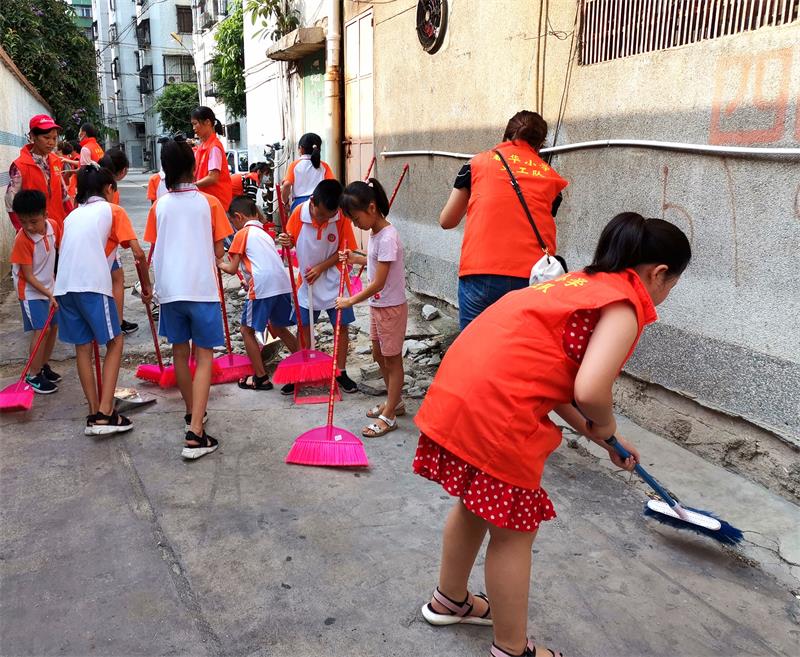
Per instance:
(375,411)
(458,612)
(376,431)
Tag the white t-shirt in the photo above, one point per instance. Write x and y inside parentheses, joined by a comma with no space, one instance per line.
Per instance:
(304,177)
(260,263)
(91,233)
(184,224)
(385,246)
(38,251)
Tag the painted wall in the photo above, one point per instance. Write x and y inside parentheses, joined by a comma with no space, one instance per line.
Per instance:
(728,334)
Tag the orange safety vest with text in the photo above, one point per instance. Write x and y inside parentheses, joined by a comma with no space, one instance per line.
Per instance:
(490,399)
(94,148)
(33,178)
(222,189)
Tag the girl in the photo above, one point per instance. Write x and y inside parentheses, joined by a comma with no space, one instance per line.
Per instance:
(305,173)
(485,427)
(86,309)
(367,206)
(212,175)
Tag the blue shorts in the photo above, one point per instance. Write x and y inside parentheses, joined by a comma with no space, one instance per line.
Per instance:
(116,264)
(298,200)
(276,310)
(87,316)
(348,316)
(34,314)
(477,292)
(198,321)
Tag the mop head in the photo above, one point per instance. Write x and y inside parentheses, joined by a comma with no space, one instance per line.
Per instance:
(328,446)
(230,368)
(150,373)
(302,366)
(700,522)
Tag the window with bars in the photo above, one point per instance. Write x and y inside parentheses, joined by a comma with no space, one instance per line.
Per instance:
(115,68)
(208,76)
(184,15)
(612,29)
(179,68)
(112,32)
(143,33)
(146,80)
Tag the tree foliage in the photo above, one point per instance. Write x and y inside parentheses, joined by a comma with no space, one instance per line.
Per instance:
(175,105)
(51,51)
(227,68)
(277,17)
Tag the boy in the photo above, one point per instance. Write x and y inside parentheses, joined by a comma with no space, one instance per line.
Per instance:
(268,287)
(33,260)
(319,232)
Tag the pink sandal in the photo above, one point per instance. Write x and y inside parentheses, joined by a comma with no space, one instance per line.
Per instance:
(458,612)
(530,651)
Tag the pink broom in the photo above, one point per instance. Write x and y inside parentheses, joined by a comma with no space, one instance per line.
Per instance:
(305,364)
(19,396)
(231,367)
(145,371)
(329,445)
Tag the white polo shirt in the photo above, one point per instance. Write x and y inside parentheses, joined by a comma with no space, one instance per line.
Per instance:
(304,177)
(184,224)
(261,265)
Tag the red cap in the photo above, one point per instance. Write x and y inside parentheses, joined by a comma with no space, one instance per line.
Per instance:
(43,122)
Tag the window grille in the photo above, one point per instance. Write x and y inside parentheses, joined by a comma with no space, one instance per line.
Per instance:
(612,29)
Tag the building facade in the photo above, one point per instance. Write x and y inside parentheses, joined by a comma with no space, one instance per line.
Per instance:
(83,16)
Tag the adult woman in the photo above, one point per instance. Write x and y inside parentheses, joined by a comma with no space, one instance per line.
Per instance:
(500,246)
(37,167)
(91,151)
(211,172)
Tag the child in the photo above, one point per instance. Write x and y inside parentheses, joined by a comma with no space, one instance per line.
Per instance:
(188,228)
(86,309)
(33,260)
(305,173)
(367,206)
(156,187)
(485,427)
(115,160)
(319,233)
(269,289)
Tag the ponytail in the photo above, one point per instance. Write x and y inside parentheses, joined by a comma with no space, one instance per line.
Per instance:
(629,240)
(311,143)
(204,113)
(218,127)
(92,180)
(358,196)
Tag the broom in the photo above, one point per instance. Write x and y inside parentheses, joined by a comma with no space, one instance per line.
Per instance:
(146,371)
(329,445)
(19,396)
(305,364)
(231,367)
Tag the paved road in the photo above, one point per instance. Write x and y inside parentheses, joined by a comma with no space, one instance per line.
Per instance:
(117,547)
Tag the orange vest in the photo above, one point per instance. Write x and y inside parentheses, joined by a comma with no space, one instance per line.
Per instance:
(95,149)
(33,178)
(489,401)
(222,188)
(237,186)
(498,239)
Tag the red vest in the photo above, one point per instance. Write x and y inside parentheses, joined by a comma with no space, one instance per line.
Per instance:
(222,188)
(33,178)
(498,239)
(237,187)
(489,401)
(95,149)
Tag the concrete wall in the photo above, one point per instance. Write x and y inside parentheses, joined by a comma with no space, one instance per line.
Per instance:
(728,334)
(18,103)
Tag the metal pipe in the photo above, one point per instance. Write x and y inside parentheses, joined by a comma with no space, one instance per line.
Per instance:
(704,149)
(332,137)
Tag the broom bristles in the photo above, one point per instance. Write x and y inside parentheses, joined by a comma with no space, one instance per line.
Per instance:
(303,366)
(328,446)
(150,373)
(16,401)
(726,534)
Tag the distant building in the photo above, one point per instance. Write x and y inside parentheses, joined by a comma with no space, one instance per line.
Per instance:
(83,15)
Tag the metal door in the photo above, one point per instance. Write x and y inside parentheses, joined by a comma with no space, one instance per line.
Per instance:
(358,96)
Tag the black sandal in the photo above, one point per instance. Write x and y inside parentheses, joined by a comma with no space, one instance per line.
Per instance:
(103,425)
(205,445)
(256,382)
(530,651)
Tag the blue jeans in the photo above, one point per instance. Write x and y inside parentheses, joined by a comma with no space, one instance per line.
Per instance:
(479,291)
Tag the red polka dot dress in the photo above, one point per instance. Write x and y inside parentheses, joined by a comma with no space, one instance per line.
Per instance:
(498,502)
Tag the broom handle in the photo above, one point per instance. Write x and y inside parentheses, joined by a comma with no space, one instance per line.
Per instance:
(97,370)
(288,255)
(149,312)
(644,474)
(369,169)
(150,253)
(36,346)
(224,314)
(312,345)
(335,349)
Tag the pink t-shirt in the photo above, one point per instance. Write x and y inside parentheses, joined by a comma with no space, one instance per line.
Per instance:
(385,246)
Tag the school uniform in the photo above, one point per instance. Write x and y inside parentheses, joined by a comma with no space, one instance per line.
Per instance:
(187,223)
(269,289)
(304,177)
(38,251)
(315,243)
(156,187)
(92,233)
(485,428)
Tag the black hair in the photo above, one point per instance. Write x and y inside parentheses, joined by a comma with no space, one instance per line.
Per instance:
(29,202)
(204,113)
(92,180)
(253,167)
(526,126)
(629,240)
(177,161)
(311,143)
(115,160)
(358,195)
(261,166)
(38,132)
(244,205)
(89,130)
(66,147)
(76,147)
(328,193)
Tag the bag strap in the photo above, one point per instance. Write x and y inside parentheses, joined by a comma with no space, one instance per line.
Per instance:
(521,198)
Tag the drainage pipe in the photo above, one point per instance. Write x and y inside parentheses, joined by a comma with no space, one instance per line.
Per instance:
(333,106)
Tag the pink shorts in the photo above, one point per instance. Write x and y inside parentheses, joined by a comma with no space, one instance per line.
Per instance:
(387,327)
